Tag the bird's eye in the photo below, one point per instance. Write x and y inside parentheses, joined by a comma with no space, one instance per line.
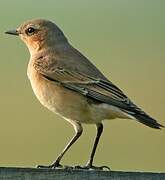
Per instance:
(30,31)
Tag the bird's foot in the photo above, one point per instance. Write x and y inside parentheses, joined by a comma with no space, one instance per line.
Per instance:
(55,166)
(91,167)
(52,166)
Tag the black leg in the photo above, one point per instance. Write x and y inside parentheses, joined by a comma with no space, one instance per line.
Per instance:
(89,164)
(78,129)
(99,132)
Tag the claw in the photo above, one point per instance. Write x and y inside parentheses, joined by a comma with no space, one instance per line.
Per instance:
(52,166)
(88,167)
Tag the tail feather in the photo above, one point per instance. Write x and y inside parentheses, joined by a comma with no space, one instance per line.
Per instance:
(147,120)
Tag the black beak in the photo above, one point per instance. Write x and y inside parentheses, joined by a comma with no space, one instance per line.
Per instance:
(12,32)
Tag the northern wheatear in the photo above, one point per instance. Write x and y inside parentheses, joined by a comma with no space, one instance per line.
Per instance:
(68,84)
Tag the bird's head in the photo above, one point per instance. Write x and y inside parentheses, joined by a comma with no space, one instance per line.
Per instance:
(39,34)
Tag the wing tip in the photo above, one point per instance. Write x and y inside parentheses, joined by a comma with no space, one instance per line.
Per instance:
(161,126)
(148,121)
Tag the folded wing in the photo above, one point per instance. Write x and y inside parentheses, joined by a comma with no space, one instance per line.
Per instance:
(96,89)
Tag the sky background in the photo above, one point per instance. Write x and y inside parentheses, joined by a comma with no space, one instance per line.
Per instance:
(125,40)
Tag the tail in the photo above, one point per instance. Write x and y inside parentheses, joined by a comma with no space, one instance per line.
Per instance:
(147,120)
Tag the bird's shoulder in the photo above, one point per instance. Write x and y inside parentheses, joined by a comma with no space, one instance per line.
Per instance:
(70,60)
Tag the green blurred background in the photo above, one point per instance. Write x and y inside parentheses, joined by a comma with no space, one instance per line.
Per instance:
(125,39)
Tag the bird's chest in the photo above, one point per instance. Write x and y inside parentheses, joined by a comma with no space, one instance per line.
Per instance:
(56,98)
(67,103)
(45,91)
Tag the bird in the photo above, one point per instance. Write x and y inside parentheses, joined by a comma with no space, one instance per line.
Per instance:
(70,85)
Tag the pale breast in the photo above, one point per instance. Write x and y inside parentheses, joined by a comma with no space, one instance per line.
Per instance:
(64,102)
(40,87)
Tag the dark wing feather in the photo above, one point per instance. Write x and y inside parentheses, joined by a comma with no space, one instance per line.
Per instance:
(96,89)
